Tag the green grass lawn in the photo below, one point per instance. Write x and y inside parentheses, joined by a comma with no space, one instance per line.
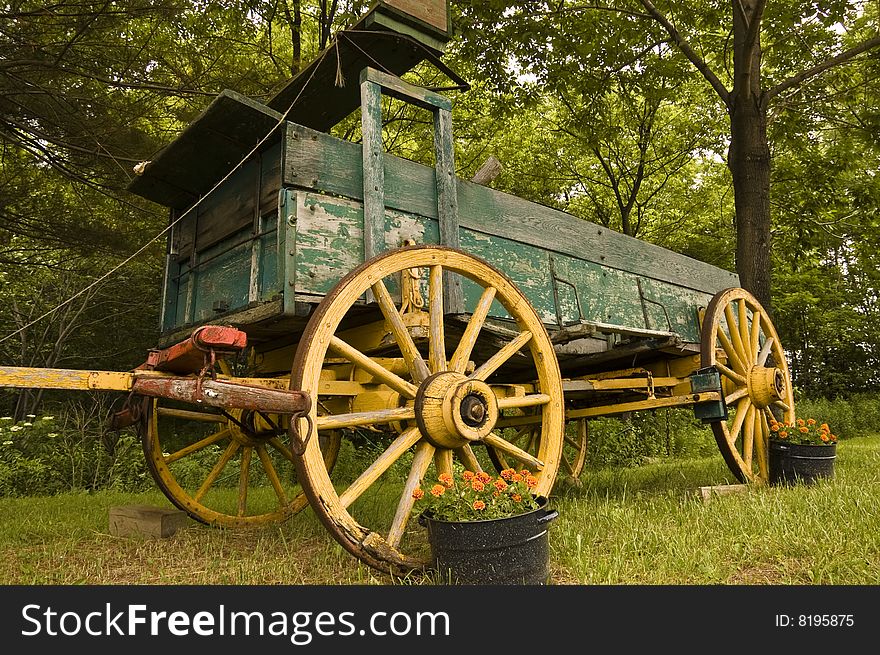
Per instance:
(642,526)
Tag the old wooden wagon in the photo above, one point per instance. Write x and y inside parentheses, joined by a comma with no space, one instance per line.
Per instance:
(320,292)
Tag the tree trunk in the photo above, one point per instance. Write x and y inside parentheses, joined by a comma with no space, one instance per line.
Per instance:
(749,162)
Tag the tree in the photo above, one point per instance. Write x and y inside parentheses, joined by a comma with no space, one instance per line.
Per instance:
(748,102)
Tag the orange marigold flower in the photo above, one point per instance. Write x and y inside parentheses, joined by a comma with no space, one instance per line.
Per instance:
(516,498)
(438,489)
(495,494)
(824,427)
(525,473)
(804,429)
(468,476)
(800,422)
(825,437)
(532,481)
(811,421)
(418,494)
(476,485)
(445,480)
(507,474)
(500,484)
(517,477)
(775,427)
(832,437)
(479,505)
(783,434)
(483,477)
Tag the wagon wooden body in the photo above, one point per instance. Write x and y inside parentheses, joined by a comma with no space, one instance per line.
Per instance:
(430,321)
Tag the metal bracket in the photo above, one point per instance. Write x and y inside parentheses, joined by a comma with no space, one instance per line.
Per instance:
(644,300)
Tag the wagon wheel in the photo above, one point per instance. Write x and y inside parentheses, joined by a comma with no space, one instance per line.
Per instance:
(443,410)
(574,449)
(224,468)
(739,339)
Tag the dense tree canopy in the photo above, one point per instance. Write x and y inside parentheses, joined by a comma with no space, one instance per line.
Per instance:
(619,114)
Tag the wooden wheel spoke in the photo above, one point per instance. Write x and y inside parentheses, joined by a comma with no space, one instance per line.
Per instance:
(360,419)
(571,442)
(198,445)
(381,464)
(730,351)
(742,392)
(781,405)
(731,374)
(218,468)
(755,337)
(375,369)
(272,474)
(437,340)
(243,479)
(736,337)
(468,458)
(443,461)
(281,448)
(498,359)
(567,466)
(508,448)
(762,439)
(408,349)
(462,353)
(749,436)
(205,417)
(516,402)
(421,460)
(765,352)
(748,353)
(741,410)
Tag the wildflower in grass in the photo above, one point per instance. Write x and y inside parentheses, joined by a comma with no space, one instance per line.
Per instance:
(30,415)
(15,428)
(48,418)
(28,424)
(52,435)
(5,418)
(7,443)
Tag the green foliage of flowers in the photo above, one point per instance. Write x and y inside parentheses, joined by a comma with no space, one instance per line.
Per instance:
(47,455)
(478,496)
(803,432)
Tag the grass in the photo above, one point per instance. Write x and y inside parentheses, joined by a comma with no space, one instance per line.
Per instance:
(640,526)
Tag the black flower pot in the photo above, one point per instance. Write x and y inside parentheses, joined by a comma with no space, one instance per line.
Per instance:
(792,463)
(508,551)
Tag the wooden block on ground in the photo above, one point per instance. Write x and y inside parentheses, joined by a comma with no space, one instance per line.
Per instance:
(706,493)
(146,521)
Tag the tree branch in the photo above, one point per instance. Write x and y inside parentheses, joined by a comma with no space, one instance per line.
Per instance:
(801,77)
(688,52)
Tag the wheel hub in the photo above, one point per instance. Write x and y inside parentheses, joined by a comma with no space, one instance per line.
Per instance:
(250,428)
(452,411)
(766,386)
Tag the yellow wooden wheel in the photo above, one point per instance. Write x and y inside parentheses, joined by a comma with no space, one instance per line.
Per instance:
(225,468)
(574,449)
(739,339)
(442,412)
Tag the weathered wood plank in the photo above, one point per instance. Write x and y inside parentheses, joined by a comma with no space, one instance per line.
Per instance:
(329,165)
(146,521)
(373,169)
